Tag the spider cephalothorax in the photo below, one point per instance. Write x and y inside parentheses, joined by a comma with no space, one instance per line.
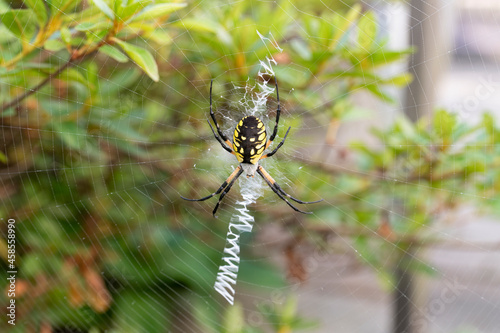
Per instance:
(249,144)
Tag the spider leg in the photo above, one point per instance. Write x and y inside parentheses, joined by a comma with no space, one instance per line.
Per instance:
(226,190)
(222,143)
(295,199)
(222,135)
(278,111)
(228,180)
(286,194)
(277,147)
(275,131)
(276,189)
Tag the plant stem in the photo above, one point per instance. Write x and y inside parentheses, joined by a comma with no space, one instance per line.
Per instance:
(33,90)
(76,55)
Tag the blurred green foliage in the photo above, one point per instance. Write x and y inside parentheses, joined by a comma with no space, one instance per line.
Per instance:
(94,158)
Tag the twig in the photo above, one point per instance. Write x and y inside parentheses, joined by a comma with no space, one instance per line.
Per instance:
(76,55)
(33,90)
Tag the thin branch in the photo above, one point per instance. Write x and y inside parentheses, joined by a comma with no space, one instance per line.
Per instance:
(33,90)
(76,55)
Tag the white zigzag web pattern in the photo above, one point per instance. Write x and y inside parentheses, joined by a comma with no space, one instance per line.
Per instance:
(228,273)
(242,221)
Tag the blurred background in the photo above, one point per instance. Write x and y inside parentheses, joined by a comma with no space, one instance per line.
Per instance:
(393,109)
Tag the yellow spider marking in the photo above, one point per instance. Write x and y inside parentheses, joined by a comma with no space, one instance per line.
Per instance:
(252,152)
(260,124)
(262,136)
(252,139)
(243,137)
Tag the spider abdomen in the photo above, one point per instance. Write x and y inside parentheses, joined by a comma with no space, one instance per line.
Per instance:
(249,140)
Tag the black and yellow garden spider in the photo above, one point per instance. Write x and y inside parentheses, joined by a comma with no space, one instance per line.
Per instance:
(249,143)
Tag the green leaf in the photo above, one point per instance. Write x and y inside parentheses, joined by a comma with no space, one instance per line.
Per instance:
(367,31)
(66,35)
(383,56)
(20,22)
(54,45)
(355,113)
(94,26)
(160,37)
(234,321)
(444,124)
(406,127)
(142,57)
(78,42)
(93,77)
(289,309)
(342,24)
(303,324)
(85,26)
(58,108)
(39,9)
(62,7)
(4,7)
(87,12)
(104,8)
(22,67)
(3,158)
(199,25)
(399,80)
(375,89)
(76,138)
(155,11)
(119,80)
(32,265)
(125,12)
(113,52)
(73,75)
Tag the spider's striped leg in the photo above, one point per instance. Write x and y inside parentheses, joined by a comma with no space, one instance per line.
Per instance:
(222,143)
(277,147)
(222,135)
(227,190)
(278,111)
(229,180)
(286,194)
(295,199)
(275,131)
(276,189)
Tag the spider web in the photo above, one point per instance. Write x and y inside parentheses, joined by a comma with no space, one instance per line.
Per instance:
(340,293)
